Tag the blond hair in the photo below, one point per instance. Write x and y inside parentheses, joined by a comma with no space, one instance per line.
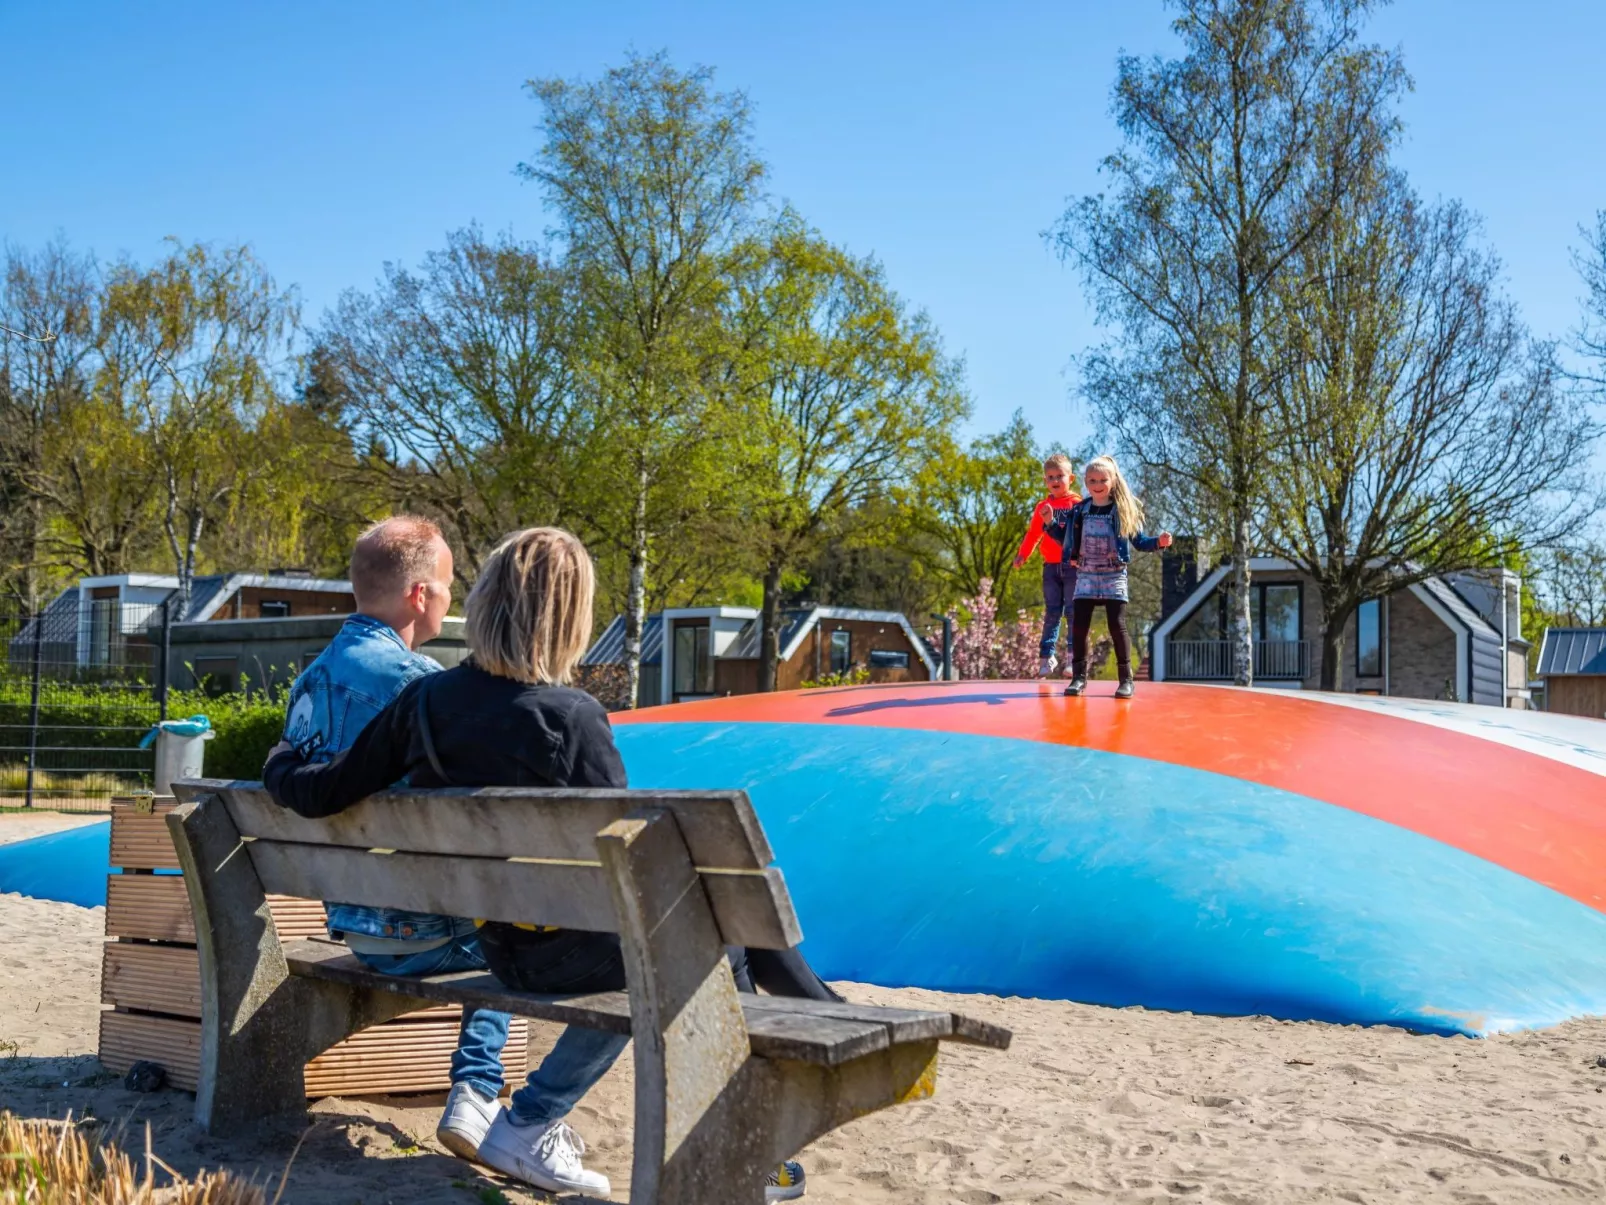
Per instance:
(529,614)
(1060,459)
(391,555)
(1128,510)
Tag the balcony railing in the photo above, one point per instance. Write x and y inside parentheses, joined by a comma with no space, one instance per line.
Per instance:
(1211,660)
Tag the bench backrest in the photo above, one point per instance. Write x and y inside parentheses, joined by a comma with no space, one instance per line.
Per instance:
(519,854)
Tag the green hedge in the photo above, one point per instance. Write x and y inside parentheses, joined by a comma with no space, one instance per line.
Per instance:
(247,726)
(72,714)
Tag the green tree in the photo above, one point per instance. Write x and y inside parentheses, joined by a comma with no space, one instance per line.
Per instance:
(193,347)
(1426,433)
(971,506)
(842,396)
(461,378)
(1236,155)
(653,177)
(49,315)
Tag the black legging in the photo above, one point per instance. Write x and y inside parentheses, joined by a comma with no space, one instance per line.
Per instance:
(1082,619)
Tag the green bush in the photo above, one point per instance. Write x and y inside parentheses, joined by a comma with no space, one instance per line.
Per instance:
(73,715)
(247,726)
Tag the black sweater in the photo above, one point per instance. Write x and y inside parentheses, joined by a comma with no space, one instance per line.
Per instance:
(487,732)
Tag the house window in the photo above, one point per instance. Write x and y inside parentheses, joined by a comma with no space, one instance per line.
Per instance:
(693,668)
(275,609)
(888,659)
(217,675)
(1369,639)
(841,651)
(1275,608)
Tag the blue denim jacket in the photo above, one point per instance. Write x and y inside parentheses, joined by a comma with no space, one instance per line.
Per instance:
(1067,530)
(347,685)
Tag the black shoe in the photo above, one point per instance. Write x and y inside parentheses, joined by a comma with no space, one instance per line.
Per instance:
(1124,690)
(1078,685)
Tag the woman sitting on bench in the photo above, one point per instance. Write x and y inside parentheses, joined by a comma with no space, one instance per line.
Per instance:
(507,717)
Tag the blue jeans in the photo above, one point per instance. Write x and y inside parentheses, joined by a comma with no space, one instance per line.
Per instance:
(478,1057)
(1059,585)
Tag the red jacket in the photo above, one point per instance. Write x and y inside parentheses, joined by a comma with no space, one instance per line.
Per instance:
(1034,533)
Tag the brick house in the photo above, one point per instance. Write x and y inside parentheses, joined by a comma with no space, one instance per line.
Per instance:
(700,652)
(1443,638)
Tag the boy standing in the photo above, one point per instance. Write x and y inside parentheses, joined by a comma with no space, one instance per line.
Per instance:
(1059,579)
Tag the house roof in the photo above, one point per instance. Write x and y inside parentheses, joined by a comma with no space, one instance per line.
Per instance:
(749,641)
(797,624)
(212,590)
(1573,651)
(609,648)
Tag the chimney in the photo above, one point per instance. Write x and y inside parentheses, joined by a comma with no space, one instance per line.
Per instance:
(1179,574)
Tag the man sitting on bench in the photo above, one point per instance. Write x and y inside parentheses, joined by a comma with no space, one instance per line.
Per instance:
(507,717)
(401,576)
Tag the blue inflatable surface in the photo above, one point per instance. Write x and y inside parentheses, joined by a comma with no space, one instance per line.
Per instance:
(69,866)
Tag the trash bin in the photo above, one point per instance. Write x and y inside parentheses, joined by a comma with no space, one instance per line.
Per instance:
(180,749)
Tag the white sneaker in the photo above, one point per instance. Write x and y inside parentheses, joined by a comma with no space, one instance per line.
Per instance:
(467,1118)
(547,1156)
(1045,666)
(785,1183)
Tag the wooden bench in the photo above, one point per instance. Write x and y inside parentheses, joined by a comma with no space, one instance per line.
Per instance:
(727,1084)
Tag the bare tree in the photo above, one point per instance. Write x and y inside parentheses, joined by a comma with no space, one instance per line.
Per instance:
(461,378)
(1425,432)
(1236,155)
(1591,264)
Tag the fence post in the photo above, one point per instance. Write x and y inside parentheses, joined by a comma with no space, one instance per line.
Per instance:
(33,704)
(164,657)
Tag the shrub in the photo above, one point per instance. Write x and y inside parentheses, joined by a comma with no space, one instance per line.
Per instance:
(247,726)
(858,675)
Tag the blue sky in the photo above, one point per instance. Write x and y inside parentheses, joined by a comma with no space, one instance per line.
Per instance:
(942,137)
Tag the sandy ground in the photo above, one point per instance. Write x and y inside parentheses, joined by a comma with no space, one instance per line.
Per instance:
(19,826)
(1089,1105)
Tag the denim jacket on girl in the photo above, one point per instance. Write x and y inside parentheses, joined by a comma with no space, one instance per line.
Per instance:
(347,685)
(1066,528)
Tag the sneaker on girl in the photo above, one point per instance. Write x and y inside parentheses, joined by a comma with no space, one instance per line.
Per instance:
(466,1121)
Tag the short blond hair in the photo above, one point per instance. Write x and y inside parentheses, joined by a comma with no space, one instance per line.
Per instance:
(391,555)
(529,614)
(1060,459)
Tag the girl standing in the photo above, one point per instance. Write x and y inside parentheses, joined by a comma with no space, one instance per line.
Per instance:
(1098,535)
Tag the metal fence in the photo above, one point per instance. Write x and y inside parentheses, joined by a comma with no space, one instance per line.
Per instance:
(81,682)
(1212,660)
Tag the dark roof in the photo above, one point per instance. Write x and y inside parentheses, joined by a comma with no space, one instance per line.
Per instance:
(749,641)
(1573,651)
(609,648)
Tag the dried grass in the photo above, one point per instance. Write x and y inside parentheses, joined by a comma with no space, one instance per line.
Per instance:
(52,1163)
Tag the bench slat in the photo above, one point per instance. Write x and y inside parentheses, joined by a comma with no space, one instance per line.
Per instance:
(752,909)
(905,1024)
(720,827)
(774,1033)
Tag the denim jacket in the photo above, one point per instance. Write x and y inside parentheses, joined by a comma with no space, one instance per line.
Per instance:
(347,685)
(1066,528)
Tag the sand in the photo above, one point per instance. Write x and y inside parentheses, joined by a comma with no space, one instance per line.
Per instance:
(1089,1105)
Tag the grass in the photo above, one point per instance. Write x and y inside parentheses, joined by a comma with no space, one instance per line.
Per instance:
(51,1163)
(14,780)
